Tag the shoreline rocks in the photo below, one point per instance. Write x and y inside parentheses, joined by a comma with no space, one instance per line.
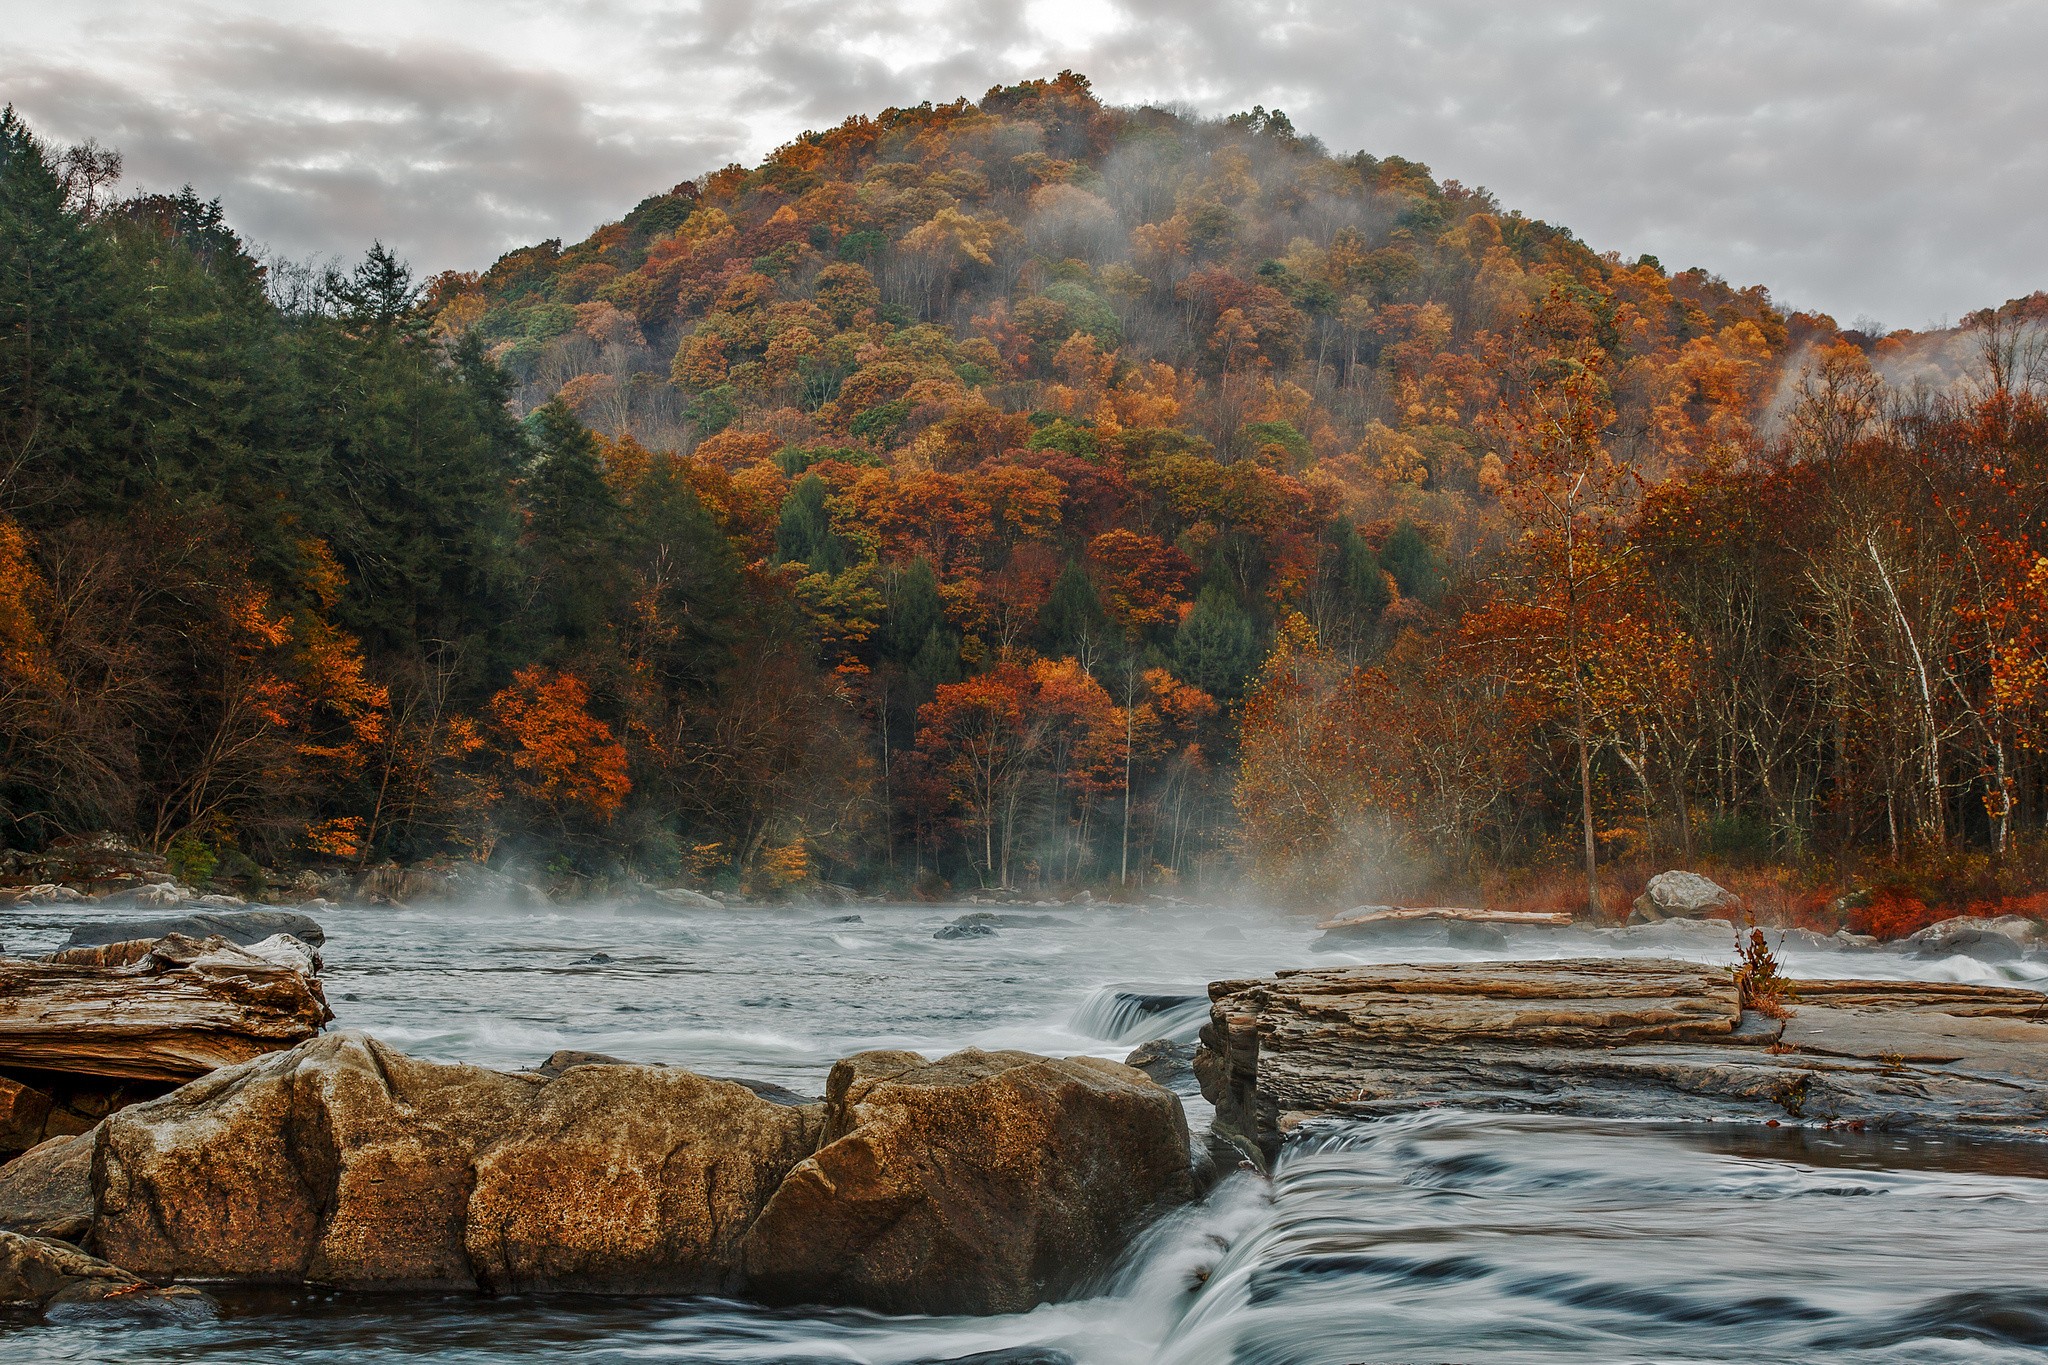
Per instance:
(1612,1038)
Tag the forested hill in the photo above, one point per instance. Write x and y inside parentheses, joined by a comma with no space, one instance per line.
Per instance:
(954,496)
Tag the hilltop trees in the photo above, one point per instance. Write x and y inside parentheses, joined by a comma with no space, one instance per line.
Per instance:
(1019,490)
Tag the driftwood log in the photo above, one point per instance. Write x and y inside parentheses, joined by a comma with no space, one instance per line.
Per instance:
(168,1010)
(1621,1038)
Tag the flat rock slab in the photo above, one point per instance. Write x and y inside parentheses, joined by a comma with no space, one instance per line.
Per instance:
(1653,1039)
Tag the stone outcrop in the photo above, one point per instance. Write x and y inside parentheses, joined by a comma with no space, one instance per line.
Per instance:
(982,1182)
(985,1182)
(65,1282)
(1684,895)
(1616,1038)
(166,1010)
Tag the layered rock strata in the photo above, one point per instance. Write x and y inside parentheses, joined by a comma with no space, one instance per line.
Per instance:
(1616,1038)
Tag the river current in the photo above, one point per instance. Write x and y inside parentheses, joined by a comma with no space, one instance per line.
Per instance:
(1442,1237)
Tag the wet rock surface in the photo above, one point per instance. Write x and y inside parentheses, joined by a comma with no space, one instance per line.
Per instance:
(1611,1038)
(64,1282)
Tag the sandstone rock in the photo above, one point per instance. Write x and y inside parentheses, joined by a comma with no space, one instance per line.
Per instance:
(236,926)
(1684,895)
(80,864)
(47,1191)
(344,1162)
(1615,1038)
(64,1281)
(985,1182)
(24,1115)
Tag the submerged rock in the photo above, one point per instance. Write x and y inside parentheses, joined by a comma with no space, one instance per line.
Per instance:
(1684,895)
(966,929)
(65,1282)
(986,1182)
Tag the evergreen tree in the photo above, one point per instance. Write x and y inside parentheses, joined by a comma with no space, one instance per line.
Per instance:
(57,310)
(1215,648)
(1072,621)
(805,535)
(1415,564)
(572,524)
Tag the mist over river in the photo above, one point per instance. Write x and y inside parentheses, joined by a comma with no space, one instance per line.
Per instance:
(1440,1237)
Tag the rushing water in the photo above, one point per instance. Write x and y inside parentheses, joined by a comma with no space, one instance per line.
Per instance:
(1443,1237)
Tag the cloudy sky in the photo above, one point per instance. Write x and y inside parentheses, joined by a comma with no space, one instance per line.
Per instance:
(1880,159)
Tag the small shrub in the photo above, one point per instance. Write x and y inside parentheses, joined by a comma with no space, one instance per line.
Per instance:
(1758,981)
(191,861)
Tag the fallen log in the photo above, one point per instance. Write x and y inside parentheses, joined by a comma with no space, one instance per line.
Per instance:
(1615,1038)
(169,1010)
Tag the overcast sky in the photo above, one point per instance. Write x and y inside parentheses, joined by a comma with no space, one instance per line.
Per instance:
(1882,159)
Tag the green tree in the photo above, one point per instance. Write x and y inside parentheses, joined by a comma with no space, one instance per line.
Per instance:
(1215,648)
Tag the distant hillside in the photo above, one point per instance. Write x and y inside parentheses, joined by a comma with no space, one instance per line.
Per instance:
(1017,493)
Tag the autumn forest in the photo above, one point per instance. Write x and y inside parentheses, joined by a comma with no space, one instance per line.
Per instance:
(1022,493)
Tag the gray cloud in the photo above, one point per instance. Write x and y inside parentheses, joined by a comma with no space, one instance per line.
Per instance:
(1873,157)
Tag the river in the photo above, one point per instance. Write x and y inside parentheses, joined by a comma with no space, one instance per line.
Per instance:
(1441,1237)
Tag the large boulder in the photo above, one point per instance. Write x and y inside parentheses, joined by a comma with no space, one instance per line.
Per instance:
(242,927)
(64,1281)
(1999,939)
(986,1182)
(1684,895)
(47,1190)
(345,1162)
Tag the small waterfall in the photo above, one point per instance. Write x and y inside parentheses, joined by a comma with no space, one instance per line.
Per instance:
(1138,1014)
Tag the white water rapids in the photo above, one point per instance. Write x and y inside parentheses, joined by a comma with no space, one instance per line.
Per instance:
(1441,1237)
